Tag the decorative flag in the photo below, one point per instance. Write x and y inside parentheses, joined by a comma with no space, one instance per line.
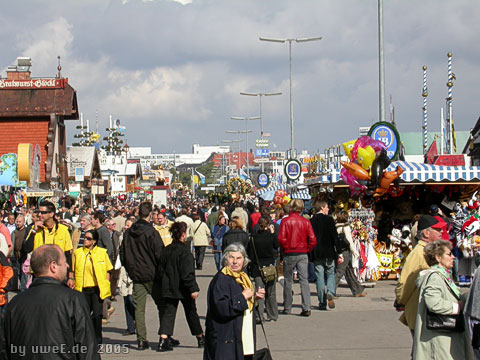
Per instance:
(201,176)
(243,174)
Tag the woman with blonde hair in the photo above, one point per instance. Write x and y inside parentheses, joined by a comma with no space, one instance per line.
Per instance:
(439,297)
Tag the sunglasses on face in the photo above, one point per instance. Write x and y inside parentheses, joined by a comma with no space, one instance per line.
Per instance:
(88,238)
(44,212)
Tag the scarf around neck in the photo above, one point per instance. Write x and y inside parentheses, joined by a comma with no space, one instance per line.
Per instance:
(447,277)
(241,279)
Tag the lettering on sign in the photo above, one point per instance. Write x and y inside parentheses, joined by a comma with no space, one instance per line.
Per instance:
(49,83)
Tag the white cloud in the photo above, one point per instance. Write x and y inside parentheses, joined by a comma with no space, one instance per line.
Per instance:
(179,69)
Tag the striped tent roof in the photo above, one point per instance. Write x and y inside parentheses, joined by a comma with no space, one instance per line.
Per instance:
(415,172)
(295,193)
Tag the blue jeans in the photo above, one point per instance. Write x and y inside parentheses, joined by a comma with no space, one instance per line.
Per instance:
(218,257)
(325,269)
(129,306)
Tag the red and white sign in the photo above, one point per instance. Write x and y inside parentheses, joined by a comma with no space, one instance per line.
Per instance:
(45,83)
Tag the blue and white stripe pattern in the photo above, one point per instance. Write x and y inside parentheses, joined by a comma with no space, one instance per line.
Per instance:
(302,194)
(416,172)
(425,116)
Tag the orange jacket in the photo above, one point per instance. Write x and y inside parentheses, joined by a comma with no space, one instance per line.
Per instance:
(6,273)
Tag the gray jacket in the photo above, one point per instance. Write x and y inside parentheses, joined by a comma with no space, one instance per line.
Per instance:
(435,294)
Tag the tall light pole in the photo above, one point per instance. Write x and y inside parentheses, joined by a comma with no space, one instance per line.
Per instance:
(246,134)
(292,142)
(260,94)
(238,132)
(381,65)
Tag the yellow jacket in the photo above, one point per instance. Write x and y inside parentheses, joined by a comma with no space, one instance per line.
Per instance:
(406,291)
(101,265)
(164,231)
(59,236)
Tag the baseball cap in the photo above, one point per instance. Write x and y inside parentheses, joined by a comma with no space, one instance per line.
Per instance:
(427,221)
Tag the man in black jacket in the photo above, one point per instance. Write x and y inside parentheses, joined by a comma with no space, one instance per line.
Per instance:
(140,255)
(324,254)
(49,320)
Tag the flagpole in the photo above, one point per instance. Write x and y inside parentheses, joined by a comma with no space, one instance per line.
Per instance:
(193,185)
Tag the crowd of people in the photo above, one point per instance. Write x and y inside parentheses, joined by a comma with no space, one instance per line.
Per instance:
(83,259)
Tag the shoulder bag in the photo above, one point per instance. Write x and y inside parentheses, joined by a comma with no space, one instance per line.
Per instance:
(268,273)
(451,323)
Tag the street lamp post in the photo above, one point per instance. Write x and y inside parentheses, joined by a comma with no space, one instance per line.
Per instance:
(260,94)
(292,142)
(238,132)
(232,142)
(246,134)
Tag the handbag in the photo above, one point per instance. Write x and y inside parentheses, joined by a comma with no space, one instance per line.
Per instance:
(263,353)
(451,323)
(267,273)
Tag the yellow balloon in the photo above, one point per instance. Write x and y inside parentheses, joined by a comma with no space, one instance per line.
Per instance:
(347,147)
(365,157)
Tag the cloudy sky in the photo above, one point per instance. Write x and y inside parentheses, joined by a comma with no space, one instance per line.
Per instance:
(172,70)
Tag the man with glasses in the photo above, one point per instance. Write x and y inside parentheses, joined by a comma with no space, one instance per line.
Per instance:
(78,234)
(430,229)
(48,231)
(163,227)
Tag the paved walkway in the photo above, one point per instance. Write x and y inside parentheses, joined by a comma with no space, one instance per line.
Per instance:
(358,328)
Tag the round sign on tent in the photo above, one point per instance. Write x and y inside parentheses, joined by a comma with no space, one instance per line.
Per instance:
(293,169)
(388,134)
(263,179)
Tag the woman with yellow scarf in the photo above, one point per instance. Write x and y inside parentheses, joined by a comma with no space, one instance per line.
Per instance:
(230,305)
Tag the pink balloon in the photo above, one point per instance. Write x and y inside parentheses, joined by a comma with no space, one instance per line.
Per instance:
(355,187)
(363,142)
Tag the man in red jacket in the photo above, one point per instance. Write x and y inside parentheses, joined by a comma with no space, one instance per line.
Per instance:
(296,239)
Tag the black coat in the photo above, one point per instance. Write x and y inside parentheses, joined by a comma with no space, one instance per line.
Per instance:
(326,234)
(177,272)
(235,236)
(51,314)
(266,245)
(140,251)
(223,325)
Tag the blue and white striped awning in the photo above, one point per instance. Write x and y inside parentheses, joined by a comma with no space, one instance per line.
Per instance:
(415,172)
(268,193)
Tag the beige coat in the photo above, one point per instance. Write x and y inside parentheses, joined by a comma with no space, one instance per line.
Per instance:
(201,236)
(436,295)
(406,291)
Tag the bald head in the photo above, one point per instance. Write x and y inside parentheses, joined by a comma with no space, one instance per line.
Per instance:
(49,260)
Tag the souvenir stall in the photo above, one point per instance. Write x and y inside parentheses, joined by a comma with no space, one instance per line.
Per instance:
(384,196)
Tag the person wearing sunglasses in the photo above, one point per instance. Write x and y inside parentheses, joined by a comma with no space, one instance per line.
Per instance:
(91,267)
(47,230)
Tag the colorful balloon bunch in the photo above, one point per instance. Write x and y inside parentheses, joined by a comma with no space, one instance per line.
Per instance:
(366,170)
(281,197)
